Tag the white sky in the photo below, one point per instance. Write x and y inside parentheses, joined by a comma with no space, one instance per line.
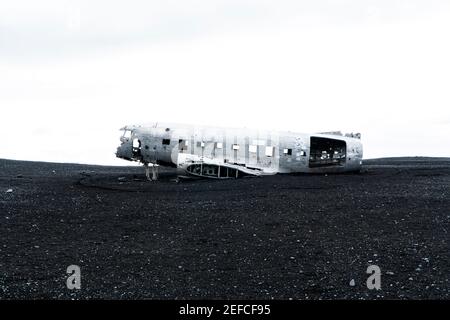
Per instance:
(73,72)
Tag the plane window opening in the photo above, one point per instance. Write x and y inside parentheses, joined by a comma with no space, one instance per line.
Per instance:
(219,145)
(183,144)
(269,151)
(327,152)
(235,147)
(127,134)
(136,148)
(287,152)
(166,141)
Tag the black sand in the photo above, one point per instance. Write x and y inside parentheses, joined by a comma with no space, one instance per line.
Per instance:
(281,237)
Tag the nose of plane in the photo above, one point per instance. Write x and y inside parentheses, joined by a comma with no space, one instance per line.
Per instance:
(124,151)
(119,152)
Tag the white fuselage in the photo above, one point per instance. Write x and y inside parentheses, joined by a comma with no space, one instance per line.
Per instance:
(246,150)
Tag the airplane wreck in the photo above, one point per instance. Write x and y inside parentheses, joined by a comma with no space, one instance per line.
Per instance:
(224,153)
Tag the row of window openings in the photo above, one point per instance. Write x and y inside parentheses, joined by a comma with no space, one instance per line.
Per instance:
(269,151)
(219,145)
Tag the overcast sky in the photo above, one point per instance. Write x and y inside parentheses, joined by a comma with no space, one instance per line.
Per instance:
(73,72)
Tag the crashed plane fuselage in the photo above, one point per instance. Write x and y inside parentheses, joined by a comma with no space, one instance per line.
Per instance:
(219,153)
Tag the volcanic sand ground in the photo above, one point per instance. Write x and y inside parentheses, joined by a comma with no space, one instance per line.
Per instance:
(284,236)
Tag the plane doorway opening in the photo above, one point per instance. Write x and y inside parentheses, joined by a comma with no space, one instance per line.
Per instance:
(325,152)
(136,147)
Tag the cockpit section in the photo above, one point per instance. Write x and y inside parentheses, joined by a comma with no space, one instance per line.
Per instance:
(126,136)
(127,149)
(146,145)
